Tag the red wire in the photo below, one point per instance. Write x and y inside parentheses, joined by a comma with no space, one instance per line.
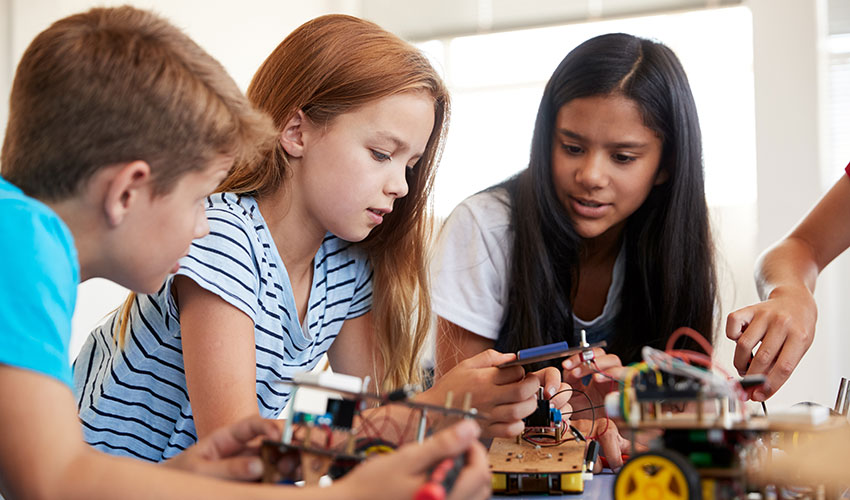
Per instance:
(692,334)
(330,438)
(408,424)
(364,422)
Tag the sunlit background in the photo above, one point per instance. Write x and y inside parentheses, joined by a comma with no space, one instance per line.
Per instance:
(771,79)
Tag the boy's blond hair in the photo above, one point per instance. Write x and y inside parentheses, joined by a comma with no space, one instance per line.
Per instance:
(115,85)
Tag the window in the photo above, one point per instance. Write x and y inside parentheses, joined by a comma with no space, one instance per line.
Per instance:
(497,79)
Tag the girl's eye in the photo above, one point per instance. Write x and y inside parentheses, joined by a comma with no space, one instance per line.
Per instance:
(377,155)
(621,158)
(571,149)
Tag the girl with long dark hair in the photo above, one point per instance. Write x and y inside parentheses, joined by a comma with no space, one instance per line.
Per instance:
(606,231)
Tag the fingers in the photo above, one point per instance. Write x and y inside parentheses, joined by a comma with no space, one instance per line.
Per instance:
(747,342)
(561,401)
(575,369)
(473,482)
(612,447)
(516,392)
(738,321)
(506,420)
(447,443)
(575,360)
(549,378)
(488,358)
(767,352)
(502,376)
(792,352)
(503,429)
(234,468)
(234,439)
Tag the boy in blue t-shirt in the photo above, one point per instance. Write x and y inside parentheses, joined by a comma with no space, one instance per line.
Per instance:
(119,127)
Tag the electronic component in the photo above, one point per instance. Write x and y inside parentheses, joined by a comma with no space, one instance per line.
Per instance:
(548,352)
(708,442)
(324,408)
(591,456)
(544,415)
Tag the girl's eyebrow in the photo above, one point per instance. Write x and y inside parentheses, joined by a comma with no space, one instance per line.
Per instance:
(399,144)
(389,136)
(610,145)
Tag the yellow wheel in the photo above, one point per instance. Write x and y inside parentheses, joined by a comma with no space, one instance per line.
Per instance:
(378,449)
(658,475)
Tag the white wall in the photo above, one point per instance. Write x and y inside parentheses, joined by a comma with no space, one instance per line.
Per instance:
(790,90)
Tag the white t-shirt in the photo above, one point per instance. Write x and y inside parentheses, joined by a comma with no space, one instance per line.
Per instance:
(469,271)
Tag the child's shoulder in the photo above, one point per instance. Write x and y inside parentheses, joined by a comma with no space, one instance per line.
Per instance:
(488,209)
(42,247)
(13,198)
(230,213)
(23,215)
(233,206)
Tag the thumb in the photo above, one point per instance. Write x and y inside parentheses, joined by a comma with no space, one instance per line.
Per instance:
(244,468)
(447,443)
(490,357)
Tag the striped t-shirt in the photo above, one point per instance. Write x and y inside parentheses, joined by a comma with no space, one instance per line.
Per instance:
(133,401)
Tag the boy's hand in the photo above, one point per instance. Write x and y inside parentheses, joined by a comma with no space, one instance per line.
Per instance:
(400,474)
(785,326)
(229,452)
(504,395)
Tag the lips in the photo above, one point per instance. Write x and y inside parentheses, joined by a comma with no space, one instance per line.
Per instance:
(377,214)
(588,208)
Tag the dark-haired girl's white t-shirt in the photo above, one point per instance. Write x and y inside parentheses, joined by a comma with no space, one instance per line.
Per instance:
(469,271)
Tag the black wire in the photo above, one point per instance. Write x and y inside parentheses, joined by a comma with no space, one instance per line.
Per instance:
(583,409)
(764,407)
(592,408)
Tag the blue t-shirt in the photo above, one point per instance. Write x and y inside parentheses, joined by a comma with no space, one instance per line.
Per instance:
(39,273)
(133,399)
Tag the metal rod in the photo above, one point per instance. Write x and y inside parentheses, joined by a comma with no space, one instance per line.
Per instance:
(842,395)
(420,432)
(846,404)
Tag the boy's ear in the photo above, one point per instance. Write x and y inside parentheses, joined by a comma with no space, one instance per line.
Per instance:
(292,135)
(128,185)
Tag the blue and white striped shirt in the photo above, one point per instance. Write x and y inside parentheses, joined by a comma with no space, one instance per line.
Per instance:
(133,401)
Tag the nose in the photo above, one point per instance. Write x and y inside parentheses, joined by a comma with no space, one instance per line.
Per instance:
(591,173)
(396,184)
